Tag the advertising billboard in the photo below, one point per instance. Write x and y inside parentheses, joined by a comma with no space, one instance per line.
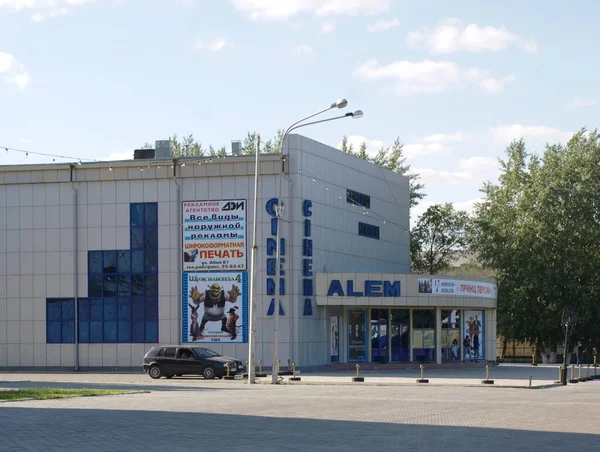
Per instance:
(214,235)
(215,307)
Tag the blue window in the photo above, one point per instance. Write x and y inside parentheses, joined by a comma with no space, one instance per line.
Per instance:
(358,199)
(122,287)
(60,321)
(368,230)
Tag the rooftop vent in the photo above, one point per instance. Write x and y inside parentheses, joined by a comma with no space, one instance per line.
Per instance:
(236,148)
(143,154)
(164,149)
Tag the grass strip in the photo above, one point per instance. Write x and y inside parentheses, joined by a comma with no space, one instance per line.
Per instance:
(55,393)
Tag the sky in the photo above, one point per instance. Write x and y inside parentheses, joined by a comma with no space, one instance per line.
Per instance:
(455,81)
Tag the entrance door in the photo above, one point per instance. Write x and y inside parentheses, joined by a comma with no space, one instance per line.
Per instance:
(400,342)
(379,335)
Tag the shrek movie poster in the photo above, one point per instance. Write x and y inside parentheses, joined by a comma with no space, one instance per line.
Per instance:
(215,307)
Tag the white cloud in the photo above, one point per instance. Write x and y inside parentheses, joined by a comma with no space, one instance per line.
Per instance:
(383,25)
(424,149)
(328,27)
(424,77)
(456,137)
(304,48)
(451,36)
(589,101)
(43,9)
(116,156)
(492,85)
(467,206)
(12,71)
(373,146)
(507,133)
(212,45)
(473,171)
(284,9)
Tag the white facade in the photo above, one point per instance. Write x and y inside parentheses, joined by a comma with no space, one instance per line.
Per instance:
(54,218)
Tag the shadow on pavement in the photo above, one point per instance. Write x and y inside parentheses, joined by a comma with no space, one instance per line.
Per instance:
(122,386)
(114,430)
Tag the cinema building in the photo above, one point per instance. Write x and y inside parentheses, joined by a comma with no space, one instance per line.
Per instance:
(101,261)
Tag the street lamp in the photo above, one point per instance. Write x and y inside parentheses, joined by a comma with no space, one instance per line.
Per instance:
(341,103)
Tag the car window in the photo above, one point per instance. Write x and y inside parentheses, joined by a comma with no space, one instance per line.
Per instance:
(205,352)
(185,353)
(170,352)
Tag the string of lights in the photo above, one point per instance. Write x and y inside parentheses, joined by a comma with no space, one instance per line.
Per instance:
(43,154)
(207,160)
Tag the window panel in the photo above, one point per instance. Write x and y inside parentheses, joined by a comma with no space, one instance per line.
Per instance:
(151,285)
(68,332)
(151,214)
(151,238)
(137,308)
(53,310)
(94,262)
(136,214)
(110,331)
(53,332)
(84,332)
(96,332)
(124,308)
(137,262)
(368,230)
(138,331)
(110,309)
(151,309)
(109,262)
(109,286)
(124,261)
(137,238)
(96,309)
(150,261)
(94,286)
(124,331)
(84,309)
(151,332)
(124,285)
(68,310)
(358,199)
(137,285)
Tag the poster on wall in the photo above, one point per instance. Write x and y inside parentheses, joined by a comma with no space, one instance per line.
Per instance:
(473,326)
(215,307)
(456,287)
(357,337)
(335,338)
(214,235)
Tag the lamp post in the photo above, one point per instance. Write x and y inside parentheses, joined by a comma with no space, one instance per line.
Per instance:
(341,103)
(254,253)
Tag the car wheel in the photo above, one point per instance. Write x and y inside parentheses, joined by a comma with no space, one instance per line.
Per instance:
(168,377)
(155,372)
(208,373)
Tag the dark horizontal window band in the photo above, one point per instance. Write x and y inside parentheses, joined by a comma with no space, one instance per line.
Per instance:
(358,199)
(368,230)
(122,303)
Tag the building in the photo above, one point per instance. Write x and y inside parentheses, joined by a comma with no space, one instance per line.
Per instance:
(100,261)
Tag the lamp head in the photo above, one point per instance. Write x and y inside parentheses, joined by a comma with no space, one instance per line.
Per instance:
(357,114)
(340,103)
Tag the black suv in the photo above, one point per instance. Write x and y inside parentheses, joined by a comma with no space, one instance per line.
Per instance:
(178,360)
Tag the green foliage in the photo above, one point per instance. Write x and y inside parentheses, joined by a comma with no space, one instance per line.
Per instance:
(539,229)
(187,147)
(272,146)
(439,234)
(56,393)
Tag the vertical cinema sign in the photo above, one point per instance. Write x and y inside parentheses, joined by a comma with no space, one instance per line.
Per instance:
(307,262)
(272,259)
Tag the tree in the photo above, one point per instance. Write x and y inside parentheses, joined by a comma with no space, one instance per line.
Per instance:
(393,159)
(539,228)
(271,146)
(439,234)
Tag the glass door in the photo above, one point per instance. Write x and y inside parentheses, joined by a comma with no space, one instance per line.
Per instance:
(400,342)
(379,335)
